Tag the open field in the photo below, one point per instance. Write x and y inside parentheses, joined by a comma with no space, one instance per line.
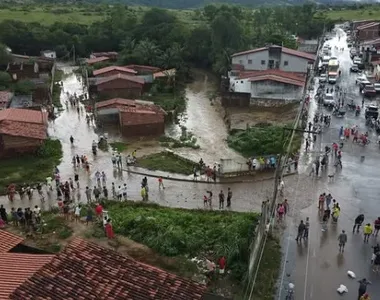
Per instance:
(49,14)
(359,14)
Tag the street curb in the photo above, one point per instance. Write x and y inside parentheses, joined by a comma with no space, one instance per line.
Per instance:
(206,182)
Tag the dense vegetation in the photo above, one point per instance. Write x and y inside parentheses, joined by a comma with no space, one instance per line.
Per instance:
(174,232)
(158,37)
(30,169)
(261,140)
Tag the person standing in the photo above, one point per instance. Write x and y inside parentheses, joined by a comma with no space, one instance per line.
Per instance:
(221,200)
(301,230)
(367,232)
(160,183)
(377,226)
(88,194)
(342,238)
(229,197)
(358,222)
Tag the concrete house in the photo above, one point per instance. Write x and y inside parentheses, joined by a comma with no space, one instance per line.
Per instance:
(273,57)
(113,70)
(49,54)
(272,72)
(117,86)
(368,31)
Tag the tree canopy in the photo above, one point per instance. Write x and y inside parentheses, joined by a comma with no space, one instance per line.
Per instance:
(159,38)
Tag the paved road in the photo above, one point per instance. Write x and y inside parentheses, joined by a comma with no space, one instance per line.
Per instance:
(316,267)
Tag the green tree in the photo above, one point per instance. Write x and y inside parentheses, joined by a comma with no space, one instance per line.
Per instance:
(5,57)
(5,80)
(24,87)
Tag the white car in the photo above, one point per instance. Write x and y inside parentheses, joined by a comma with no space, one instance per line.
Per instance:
(329,100)
(361,79)
(323,78)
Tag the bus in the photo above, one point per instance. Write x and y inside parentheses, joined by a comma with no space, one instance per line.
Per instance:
(332,70)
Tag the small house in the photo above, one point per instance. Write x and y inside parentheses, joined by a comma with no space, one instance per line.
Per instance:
(112,55)
(114,70)
(21,130)
(95,60)
(117,86)
(144,70)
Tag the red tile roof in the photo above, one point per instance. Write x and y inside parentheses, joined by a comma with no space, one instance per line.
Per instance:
(23,122)
(110,53)
(16,268)
(292,78)
(8,241)
(116,102)
(135,79)
(165,73)
(95,60)
(86,271)
(140,116)
(283,49)
(114,68)
(149,68)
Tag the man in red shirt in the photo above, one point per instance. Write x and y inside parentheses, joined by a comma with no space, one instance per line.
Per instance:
(222,264)
(98,210)
(377,226)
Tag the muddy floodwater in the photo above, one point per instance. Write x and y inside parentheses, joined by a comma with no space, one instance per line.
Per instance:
(205,120)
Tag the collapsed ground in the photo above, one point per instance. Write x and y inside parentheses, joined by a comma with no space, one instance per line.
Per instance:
(169,239)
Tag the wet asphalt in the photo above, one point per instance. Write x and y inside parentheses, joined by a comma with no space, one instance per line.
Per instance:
(315,266)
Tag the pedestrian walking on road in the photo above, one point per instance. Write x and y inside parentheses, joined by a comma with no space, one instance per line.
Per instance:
(376,249)
(321,202)
(358,222)
(88,194)
(307,145)
(367,232)
(342,238)
(306,232)
(363,287)
(377,226)
(301,230)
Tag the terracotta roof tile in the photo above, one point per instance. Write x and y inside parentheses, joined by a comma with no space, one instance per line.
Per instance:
(86,271)
(8,241)
(148,68)
(23,122)
(115,102)
(277,79)
(15,268)
(95,60)
(114,68)
(135,79)
(367,26)
(283,49)
(277,72)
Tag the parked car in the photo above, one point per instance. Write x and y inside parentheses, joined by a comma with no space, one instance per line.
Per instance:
(369,91)
(323,78)
(354,68)
(372,111)
(361,79)
(363,84)
(329,100)
(377,87)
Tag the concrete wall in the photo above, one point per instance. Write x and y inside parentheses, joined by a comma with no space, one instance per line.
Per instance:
(295,64)
(252,61)
(271,102)
(267,89)
(232,99)
(275,90)
(230,166)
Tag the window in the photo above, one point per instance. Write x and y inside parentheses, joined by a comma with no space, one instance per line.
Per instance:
(241,81)
(263,62)
(271,64)
(250,61)
(286,63)
(277,64)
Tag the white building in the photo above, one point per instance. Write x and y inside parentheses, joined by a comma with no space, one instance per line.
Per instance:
(49,54)
(272,72)
(274,57)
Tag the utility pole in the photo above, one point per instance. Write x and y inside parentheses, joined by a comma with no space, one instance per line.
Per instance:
(73,54)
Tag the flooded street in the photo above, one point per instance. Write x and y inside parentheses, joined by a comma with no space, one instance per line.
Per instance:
(210,131)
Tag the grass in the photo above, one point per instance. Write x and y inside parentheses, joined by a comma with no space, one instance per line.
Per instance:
(119,146)
(39,15)
(30,169)
(167,162)
(354,14)
(261,140)
(186,141)
(79,14)
(268,271)
(174,232)
(168,101)
(56,224)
